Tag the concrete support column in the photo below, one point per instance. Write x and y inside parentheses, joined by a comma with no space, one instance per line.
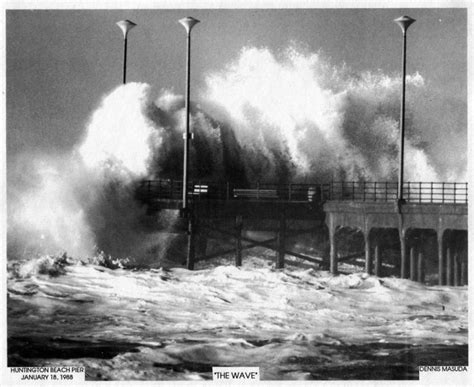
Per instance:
(238,240)
(368,257)
(449,265)
(281,238)
(457,270)
(378,260)
(464,271)
(441,263)
(421,267)
(332,250)
(403,255)
(413,263)
(191,243)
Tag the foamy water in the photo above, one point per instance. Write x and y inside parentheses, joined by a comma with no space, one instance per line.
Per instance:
(176,324)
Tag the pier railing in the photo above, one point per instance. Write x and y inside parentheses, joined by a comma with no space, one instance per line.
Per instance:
(413,192)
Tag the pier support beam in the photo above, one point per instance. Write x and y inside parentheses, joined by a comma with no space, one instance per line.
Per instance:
(421,267)
(191,243)
(441,263)
(403,254)
(378,260)
(457,271)
(368,257)
(332,251)
(464,271)
(281,239)
(238,240)
(413,263)
(449,265)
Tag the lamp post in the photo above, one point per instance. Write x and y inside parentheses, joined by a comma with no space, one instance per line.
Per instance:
(125,26)
(404,22)
(188,23)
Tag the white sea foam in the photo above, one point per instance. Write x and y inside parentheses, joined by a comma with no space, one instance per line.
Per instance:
(225,315)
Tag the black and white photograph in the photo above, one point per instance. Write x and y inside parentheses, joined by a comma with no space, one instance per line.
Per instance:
(235,193)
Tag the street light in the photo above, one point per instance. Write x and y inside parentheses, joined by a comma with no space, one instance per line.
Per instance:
(125,26)
(404,22)
(188,23)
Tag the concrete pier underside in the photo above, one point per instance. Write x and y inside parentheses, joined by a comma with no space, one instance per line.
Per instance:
(442,218)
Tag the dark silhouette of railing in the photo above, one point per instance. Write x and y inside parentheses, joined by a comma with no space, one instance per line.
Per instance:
(365,191)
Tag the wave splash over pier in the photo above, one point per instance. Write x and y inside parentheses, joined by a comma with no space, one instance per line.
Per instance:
(266,117)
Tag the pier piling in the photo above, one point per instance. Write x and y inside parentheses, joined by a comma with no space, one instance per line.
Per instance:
(281,240)
(441,263)
(368,258)
(449,266)
(403,255)
(413,263)
(421,268)
(238,240)
(191,243)
(378,260)
(332,251)
(457,271)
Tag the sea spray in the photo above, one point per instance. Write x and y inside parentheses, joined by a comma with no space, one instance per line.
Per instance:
(84,203)
(48,213)
(120,134)
(331,123)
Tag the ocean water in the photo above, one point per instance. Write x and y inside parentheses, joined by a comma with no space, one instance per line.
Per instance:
(175,324)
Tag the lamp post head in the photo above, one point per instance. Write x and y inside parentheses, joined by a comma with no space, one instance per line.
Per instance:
(188,23)
(125,26)
(404,22)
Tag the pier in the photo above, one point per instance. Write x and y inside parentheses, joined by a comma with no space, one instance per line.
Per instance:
(431,213)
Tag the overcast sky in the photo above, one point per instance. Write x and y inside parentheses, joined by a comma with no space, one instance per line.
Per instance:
(61,62)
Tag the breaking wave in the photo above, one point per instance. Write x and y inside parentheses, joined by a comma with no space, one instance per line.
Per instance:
(292,116)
